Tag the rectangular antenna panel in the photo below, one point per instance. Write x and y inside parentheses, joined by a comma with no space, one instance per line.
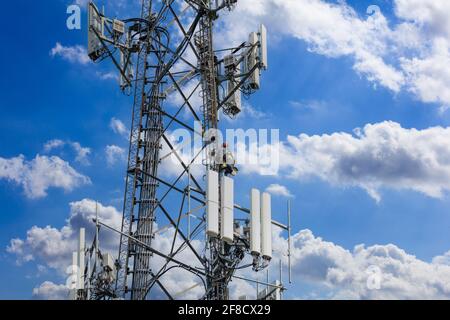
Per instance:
(212,203)
(227,209)
(95,46)
(127,69)
(229,61)
(263,46)
(252,61)
(118,26)
(266,226)
(122,80)
(235,101)
(255,222)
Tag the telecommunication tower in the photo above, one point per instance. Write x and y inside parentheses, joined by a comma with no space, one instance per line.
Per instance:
(158,54)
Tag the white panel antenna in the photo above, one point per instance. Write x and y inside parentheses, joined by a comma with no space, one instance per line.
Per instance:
(229,61)
(266,226)
(212,203)
(255,222)
(263,46)
(123,82)
(95,29)
(252,61)
(128,72)
(227,209)
(234,103)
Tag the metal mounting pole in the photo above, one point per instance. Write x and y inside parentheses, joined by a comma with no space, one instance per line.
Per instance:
(289,241)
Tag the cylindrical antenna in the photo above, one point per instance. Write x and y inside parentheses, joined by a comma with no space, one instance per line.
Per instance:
(289,241)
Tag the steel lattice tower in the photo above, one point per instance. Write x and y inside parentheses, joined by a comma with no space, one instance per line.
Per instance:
(158,58)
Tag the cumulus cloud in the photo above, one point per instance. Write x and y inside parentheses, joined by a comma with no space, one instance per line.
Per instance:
(38,175)
(117,126)
(443,260)
(53,144)
(339,272)
(409,54)
(74,54)
(50,291)
(348,274)
(82,153)
(114,154)
(430,76)
(381,155)
(279,190)
(52,247)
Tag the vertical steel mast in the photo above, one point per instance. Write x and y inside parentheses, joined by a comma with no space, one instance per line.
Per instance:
(140,189)
(216,280)
(208,68)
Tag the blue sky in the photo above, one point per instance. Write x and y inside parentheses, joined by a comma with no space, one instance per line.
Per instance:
(305,91)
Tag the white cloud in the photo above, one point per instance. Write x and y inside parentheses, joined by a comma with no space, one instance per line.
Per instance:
(330,29)
(53,144)
(338,271)
(409,54)
(119,127)
(53,247)
(345,274)
(82,153)
(114,154)
(444,259)
(74,54)
(279,190)
(430,76)
(430,15)
(50,291)
(40,174)
(382,155)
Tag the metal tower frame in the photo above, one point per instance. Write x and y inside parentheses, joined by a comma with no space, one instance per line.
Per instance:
(162,68)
